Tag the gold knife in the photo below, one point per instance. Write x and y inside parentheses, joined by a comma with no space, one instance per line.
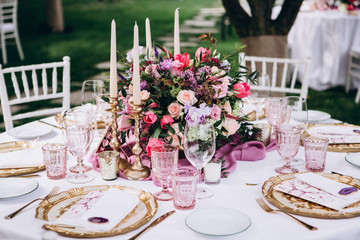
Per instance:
(41,121)
(154,223)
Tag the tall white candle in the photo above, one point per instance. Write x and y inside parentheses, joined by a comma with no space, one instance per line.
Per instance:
(136,72)
(148,38)
(113,64)
(176,33)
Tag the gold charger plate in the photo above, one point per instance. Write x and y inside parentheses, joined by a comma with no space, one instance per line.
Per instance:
(252,116)
(344,147)
(305,208)
(53,207)
(59,119)
(18,146)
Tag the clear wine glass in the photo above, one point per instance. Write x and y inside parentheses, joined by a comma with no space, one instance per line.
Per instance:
(77,132)
(258,96)
(199,148)
(91,90)
(288,143)
(297,115)
(163,160)
(275,109)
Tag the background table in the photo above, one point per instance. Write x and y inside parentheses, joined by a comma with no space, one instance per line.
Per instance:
(232,192)
(326,37)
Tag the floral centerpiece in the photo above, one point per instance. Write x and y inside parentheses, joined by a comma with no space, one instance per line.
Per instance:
(176,90)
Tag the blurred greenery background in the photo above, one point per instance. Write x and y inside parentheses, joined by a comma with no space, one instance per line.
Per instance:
(87,40)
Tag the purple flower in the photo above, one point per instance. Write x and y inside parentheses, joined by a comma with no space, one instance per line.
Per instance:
(225,65)
(187,107)
(192,120)
(143,85)
(166,64)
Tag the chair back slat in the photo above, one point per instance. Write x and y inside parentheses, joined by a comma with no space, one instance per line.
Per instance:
(288,68)
(54,80)
(44,81)
(35,82)
(25,84)
(60,89)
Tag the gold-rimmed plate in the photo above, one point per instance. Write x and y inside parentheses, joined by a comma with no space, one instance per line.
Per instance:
(59,119)
(18,146)
(298,206)
(53,207)
(336,147)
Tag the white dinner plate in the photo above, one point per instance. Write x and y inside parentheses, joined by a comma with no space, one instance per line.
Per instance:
(353,158)
(30,131)
(14,187)
(317,116)
(218,221)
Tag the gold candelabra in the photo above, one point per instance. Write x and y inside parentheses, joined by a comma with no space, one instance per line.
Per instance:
(137,171)
(114,143)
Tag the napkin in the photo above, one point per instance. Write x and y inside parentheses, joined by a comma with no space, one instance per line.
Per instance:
(318,189)
(112,204)
(336,134)
(22,159)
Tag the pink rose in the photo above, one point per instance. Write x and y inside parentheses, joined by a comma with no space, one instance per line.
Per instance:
(242,89)
(152,69)
(144,95)
(174,110)
(227,107)
(166,120)
(204,53)
(184,59)
(150,118)
(215,112)
(177,67)
(124,123)
(153,142)
(231,126)
(186,96)
(220,90)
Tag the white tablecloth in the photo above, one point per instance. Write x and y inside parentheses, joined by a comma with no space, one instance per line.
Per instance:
(327,37)
(232,193)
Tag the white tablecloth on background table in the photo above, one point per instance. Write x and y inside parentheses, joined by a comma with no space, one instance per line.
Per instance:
(327,37)
(232,192)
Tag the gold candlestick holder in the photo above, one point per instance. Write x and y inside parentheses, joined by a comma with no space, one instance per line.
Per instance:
(137,171)
(114,142)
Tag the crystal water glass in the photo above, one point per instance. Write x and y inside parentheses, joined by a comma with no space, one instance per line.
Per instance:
(258,96)
(163,160)
(288,143)
(78,135)
(199,148)
(275,109)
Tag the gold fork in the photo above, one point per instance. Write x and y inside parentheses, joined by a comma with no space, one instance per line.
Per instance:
(266,208)
(54,191)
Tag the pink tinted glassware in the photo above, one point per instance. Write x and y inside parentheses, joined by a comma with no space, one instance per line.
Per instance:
(275,110)
(184,183)
(288,143)
(163,160)
(315,153)
(54,155)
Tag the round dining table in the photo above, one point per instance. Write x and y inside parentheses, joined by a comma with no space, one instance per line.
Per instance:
(327,37)
(233,192)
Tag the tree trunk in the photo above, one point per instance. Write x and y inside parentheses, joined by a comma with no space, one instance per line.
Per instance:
(54,15)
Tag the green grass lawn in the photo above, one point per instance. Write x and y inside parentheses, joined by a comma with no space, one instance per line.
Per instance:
(87,40)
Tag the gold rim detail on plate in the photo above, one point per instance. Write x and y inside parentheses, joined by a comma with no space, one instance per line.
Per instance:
(298,206)
(18,146)
(343,147)
(59,119)
(53,207)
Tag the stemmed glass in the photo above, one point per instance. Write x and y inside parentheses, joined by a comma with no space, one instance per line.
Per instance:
(91,90)
(288,143)
(297,115)
(275,109)
(78,134)
(163,160)
(258,96)
(199,148)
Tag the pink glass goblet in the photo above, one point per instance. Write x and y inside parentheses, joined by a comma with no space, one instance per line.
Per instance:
(163,160)
(275,110)
(288,143)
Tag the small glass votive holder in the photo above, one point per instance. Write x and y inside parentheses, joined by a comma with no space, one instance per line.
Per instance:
(212,171)
(184,183)
(109,164)
(262,133)
(54,155)
(315,153)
